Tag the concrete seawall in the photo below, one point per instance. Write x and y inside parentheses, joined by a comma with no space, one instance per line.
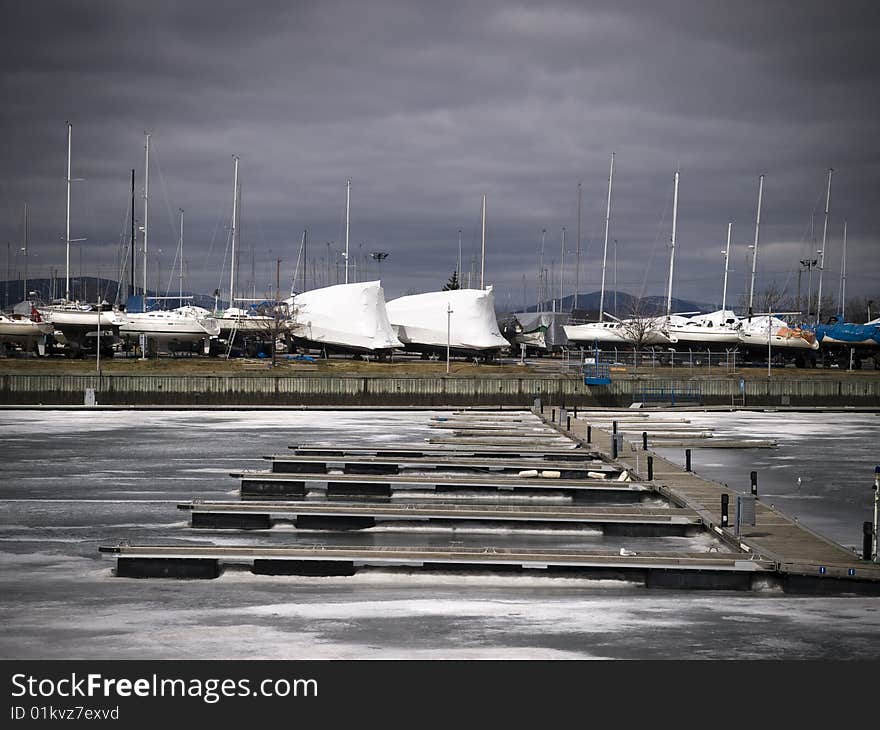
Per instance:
(230,390)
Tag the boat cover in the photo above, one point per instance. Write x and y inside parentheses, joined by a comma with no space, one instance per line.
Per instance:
(420,319)
(344,315)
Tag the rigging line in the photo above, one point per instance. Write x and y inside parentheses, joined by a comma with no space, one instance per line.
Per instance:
(124,251)
(225,254)
(214,238)
(660,226)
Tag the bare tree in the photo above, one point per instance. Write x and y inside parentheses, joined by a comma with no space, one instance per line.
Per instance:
(640,328)
(276,317)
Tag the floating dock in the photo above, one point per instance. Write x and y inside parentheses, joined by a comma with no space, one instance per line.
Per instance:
(311,515)
(260,484)
(659,570)
(284,464)
(777,552)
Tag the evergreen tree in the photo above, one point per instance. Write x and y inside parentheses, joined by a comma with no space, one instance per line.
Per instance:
(452,284)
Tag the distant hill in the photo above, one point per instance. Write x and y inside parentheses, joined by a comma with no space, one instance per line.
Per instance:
(587,305)
(85,289)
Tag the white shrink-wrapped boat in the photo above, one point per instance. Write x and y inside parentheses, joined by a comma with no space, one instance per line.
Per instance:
(343,318)
(420,321)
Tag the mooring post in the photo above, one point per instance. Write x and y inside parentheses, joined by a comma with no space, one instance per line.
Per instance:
(687,460)
(754,477)
(644,440)
(867,540)
(589,434)
(650,468)
(725,506)
(875,556)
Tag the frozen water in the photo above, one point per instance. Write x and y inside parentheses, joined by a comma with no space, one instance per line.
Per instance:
(58,597)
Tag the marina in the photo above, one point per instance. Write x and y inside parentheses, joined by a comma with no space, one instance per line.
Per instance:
(801,560)
(416,559)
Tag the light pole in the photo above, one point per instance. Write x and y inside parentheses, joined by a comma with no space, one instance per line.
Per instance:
(379,256)
(448,333)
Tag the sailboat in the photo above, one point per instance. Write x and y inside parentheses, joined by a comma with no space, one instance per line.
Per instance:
(424,324)
(617,333)
(764,332)
(717,330)
(841,338)
(27,332)
(80,324)
(457,321)
(344,318)
(165,329)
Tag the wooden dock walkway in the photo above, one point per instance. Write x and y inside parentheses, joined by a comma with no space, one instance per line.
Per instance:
(797,551)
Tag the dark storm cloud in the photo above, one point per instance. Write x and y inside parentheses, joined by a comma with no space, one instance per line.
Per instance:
(428,105)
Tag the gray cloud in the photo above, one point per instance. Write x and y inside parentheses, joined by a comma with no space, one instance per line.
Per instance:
(428,105)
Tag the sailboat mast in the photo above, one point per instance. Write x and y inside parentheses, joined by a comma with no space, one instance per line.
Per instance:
(577,255)
(458,275)
(146,210)
(234,227)
(67,235)
(755,246)
(822,252)
(542,295)
(180,276)
(131,276)
(843,277)
(605,249)
(562,270)
(25,249)
(304,242)
(726,267)
(483,254)
(672,245)
(347,222)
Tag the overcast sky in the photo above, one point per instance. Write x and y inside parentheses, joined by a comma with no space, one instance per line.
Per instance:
(428,105)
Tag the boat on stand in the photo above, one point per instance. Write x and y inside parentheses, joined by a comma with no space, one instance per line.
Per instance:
(78,325)
(152,328)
